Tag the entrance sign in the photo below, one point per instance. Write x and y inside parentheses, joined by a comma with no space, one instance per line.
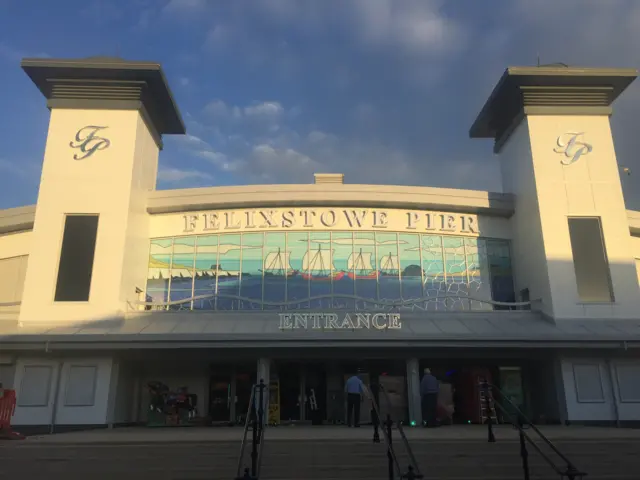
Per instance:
(348,321)
(570,145)
(330,219)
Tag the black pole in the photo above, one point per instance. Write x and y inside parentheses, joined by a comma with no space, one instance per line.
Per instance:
(523,449)
(261,410)
(389,455)
(254,439)
(491,438)
(375,420)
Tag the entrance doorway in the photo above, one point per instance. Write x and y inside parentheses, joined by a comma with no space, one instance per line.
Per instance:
(315,386)
(289,379)
(220,397)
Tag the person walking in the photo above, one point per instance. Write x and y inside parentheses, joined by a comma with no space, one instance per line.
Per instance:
(429,389)
(354,388)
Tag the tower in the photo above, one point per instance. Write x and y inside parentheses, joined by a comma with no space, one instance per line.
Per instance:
(90,236)
(571,243)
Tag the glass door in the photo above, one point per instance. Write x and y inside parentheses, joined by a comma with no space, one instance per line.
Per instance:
(220,397)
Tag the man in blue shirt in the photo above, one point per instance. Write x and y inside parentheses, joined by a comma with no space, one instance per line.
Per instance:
(429,389)
(354,388)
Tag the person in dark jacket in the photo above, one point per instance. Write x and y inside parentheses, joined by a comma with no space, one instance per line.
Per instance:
(429,389)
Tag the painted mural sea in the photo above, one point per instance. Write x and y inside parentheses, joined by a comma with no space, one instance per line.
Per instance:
(325,270)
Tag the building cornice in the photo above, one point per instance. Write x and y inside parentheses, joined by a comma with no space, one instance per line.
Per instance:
(327,194)
(548,90)
(17,219)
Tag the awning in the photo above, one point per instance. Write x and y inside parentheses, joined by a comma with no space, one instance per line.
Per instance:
(263,329)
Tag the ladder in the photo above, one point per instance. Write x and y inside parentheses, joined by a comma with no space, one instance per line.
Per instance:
(484,415)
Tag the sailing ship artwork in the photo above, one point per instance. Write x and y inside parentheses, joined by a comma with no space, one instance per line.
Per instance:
(318,266)
(340,267)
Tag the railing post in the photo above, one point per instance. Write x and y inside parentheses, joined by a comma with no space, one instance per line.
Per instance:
(491,438)
(375,420)
(389,454)
(254,439)
(523,449)
(411,475)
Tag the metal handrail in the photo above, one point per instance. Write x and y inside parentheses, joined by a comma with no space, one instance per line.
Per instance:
(256,414)
(246,428)
(571,472)
(385,432)
(405,441)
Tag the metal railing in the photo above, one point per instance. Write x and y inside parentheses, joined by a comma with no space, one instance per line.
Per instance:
(413,471)
(570,471)
(255,417)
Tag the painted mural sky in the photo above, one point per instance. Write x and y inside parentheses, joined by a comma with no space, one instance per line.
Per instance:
(275,90)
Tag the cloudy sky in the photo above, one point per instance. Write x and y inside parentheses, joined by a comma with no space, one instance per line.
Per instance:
(272,91)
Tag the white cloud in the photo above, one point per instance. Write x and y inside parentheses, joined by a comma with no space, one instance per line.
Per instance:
(175,175)
(264,109)
(185,7)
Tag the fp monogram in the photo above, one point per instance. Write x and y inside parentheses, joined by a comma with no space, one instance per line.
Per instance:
(89,142)
(571,147)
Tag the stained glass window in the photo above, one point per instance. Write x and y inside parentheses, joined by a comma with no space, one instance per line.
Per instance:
(433,270)
(389,272)
(252,271)
(365,267)
(298,281)
(455,273)
(410,266)
(343,283)
(206,272)
(159,271)
(182,266)
(318,260)
(276,269)
(338,270)
(229,258)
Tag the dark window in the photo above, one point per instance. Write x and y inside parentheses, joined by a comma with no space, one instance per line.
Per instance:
(76,258)
(590,260)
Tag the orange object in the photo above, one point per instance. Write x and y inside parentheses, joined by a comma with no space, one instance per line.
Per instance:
(7,408)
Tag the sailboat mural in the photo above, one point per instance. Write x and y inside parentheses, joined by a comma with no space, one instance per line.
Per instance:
(359,266)
(389,265)
(318,266)
(279,264)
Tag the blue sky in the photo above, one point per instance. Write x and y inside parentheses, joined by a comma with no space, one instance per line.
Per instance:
(273,91)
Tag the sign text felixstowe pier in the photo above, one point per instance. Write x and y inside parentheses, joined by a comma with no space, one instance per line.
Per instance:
(330,218)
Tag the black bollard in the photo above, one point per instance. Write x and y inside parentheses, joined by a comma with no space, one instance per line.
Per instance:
(389,455)
(523,449)
(487,399)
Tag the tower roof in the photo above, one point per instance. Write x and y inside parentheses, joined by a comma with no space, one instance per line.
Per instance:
(107,82)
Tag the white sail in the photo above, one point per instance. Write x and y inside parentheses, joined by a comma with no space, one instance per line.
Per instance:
(360,262)
(389,263)
(277,262)
(318,261)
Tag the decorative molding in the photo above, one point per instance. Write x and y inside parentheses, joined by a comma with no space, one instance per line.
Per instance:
(387,304)
(89,142)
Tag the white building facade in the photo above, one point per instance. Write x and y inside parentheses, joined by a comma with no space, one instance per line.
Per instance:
(108,284)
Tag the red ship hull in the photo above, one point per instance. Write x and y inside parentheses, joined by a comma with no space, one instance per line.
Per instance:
(336,276)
